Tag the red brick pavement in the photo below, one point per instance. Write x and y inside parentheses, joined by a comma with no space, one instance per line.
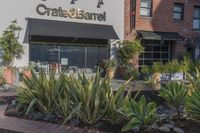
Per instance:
(28,126)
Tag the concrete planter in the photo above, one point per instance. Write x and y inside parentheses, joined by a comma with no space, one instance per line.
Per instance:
(27,74)
(9,76)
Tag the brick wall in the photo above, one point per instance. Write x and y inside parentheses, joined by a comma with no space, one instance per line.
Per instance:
(162,20)
(162,17)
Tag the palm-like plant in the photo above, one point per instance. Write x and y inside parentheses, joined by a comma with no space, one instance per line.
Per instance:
(42,92)
(91,95)
(116,101)
(194,79)
(174,94)
(193,99)
(192,104)
(9,43)
(140,114)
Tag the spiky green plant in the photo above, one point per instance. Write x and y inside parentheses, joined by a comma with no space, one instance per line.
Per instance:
(139,113)
(194,78)
(91,95)
(97,98)
(192,104)
(42,92)
(116,101)
(174,94)
(193,98)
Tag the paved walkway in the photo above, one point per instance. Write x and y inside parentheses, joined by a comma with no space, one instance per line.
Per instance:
(28,126)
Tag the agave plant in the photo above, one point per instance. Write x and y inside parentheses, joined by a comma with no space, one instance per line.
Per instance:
(193,99)
(140,114)
(42,92)
(174,94)
(192,104)
(116,101)
(91,95)
(194,79)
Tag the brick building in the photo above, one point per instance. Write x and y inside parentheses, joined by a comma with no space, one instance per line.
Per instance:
(167,28)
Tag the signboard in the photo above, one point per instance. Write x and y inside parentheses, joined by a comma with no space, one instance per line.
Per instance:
(72,13)
(64,61)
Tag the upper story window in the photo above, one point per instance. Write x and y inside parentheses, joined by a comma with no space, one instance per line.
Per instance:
(146,8)
(178,11)
(132,13)
(196,21)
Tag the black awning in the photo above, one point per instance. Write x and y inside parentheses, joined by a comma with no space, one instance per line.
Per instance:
(147,35)
(41,27)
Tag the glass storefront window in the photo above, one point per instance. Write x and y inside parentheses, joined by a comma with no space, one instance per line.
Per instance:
(154,51)
(70,58)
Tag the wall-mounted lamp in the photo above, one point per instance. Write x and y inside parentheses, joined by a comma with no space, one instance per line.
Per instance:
(73,1)
(100,2)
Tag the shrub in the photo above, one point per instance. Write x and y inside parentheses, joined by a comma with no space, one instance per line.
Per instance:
(174,94)
(116,101)
(192,104)
(130,72)
(9,44)
(96,98)
(41,92)
(128,50)
(89,99)
(193,99)
(91,95)
(140,114)
(194,78)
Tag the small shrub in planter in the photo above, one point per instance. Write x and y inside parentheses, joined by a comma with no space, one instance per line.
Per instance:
(128,50)
(26,72)
(11,49)
(140,114)
(2,79)
(110,66)
(128,53)
(174,94)
(130,72)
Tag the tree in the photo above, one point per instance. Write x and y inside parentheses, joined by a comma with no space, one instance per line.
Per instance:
(9,43)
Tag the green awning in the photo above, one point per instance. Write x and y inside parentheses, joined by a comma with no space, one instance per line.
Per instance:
(148,35)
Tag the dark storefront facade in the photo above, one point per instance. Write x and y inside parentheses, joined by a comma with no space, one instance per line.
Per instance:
(68,46)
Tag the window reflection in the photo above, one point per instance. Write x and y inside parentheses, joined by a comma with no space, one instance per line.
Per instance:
(67,57)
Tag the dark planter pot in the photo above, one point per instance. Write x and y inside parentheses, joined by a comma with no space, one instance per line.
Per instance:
(144,76)
(121,71)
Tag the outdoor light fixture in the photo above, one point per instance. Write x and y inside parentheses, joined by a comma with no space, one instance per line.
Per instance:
(100,3)
(73,1)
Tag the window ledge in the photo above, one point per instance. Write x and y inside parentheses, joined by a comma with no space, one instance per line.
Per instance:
(178,20)
(146,17)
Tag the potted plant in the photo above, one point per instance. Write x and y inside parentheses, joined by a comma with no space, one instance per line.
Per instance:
(110,66)
(128,53)
(11,49)
(27,72)
(2,79)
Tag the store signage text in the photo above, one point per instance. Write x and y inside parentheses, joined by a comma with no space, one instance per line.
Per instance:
(42,9)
